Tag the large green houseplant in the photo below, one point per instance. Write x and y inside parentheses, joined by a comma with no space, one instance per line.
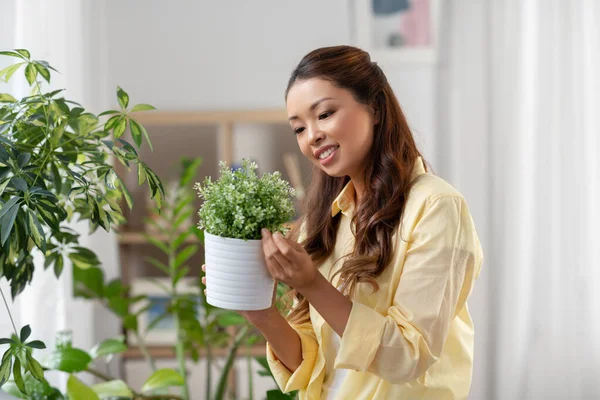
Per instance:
(55,167)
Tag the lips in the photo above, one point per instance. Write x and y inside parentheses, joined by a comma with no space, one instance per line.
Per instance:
(323,149)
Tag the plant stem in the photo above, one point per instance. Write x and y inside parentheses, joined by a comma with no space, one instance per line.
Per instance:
(250,373)
(99,374)
(144,350)
(179,351)
(222,387)
(179,347)
(9,314)
(209,358)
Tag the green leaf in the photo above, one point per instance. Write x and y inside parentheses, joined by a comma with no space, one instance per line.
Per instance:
(88,282)
(277,394)
(7,98)
(19,183)
(5,367)
(30,73)
(182,218)
(3,186)
(36,344)
(108,347)
(112,122)
(84,258)
(9,71)
(130,322)
(25,333)
(68,359)
(163,378)
(230,319)
(123,97)
(110,179)
(126,193)
(120,127)
(118,306)
(7,341)
(34,367)
(112,389)
(43,71)
(57,179)
(18,376)
(190,170)
(114,288)
(36,230)
(8,219)
(23,159)
(136,132)
(11,53)
(23,52)
(146,136)
(77,390)
(141,174)
(142,107)
(181,239)
(157,243)
(180,274)
(109,112)
(158,265)
(59,265)
(185,254)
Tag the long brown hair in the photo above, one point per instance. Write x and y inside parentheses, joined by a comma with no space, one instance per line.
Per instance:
(387,175)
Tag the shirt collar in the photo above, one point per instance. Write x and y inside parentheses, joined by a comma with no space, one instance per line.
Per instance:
(344,202)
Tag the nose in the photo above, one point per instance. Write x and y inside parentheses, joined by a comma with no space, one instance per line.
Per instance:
(315,135)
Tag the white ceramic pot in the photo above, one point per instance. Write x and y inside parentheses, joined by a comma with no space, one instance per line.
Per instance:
(236,275)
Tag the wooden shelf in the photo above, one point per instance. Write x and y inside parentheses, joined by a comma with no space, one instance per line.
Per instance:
(173,118)
(169,352)
(138,238)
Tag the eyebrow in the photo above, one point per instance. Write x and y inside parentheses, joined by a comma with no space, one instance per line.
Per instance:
(312,107)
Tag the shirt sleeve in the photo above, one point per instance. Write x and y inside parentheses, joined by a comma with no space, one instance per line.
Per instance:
(286,380)
(442,261)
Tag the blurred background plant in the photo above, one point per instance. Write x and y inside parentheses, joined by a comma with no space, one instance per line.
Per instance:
(55,168)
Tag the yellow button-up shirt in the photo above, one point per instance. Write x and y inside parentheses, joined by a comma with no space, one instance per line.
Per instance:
(413,338)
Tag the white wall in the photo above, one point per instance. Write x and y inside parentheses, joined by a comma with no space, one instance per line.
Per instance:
(231,54)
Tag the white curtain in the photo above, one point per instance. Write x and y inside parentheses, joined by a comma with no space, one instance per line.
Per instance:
(519,98)
(58,32)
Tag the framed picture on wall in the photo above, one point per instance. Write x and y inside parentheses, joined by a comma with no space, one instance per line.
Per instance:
(156,308)
(396,31)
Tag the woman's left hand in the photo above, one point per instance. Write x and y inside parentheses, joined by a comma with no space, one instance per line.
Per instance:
(287,261)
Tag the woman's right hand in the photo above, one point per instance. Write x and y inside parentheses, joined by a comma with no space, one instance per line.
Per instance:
(255,317)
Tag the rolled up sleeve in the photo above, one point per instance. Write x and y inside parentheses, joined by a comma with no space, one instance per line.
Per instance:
(298,380)
(441,263)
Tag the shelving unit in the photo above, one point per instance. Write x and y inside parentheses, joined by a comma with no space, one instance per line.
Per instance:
(211,135)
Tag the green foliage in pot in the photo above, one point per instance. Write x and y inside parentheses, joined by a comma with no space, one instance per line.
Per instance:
(240,203)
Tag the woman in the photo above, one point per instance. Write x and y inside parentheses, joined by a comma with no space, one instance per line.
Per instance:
(386,256)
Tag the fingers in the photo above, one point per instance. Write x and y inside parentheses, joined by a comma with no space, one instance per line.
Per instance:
(276,261)
(204,277)
(286,246)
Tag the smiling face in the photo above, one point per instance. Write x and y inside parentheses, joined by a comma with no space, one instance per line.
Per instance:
(333,129)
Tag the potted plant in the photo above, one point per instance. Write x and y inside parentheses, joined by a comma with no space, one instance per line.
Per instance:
(56,166)
(235,209)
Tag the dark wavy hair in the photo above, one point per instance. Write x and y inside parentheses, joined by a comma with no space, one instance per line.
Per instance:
(387,175)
